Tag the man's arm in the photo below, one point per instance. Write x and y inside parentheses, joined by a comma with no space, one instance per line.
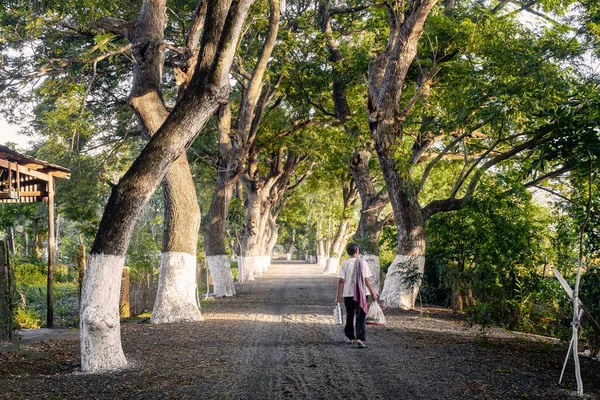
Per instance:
(373,294)
(339,290)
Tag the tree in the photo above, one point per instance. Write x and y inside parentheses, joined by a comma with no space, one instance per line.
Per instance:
(206,91)
(341,235)
(411,131)
(98,50)
(177,291)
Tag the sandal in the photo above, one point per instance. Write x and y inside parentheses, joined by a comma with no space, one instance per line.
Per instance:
(348,341)
(361,345)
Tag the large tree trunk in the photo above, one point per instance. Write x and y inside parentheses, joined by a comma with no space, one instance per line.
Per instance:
(333,261)
(250,240)
(10,238)
(290,248)
(263,237)
(387,74)
(397,291)
(321,255)
(214,238)
(214,230)
(100,334)
(350,194)
(177,295)
(369,224)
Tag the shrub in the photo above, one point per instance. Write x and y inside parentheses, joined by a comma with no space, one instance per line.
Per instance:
(33,311)
(29,273)
(27,318)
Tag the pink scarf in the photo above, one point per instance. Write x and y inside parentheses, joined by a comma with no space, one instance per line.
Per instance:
(360,289)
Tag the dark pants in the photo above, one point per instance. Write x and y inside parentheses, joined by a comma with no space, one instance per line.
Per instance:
(352,309)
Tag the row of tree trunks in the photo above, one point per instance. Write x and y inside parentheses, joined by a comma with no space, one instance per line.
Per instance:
(233,156)
(265,200)
(227,174)
(208,89)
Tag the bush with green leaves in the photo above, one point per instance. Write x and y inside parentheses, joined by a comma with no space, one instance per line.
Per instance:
(493,250)
(28,273)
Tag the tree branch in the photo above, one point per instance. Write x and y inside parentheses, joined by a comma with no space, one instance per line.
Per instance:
(554,193)
(117,26)
(452,204)
(252,94)
(552,174)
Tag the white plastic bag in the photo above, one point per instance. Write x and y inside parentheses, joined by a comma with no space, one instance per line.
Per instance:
(338,319)
(375,315)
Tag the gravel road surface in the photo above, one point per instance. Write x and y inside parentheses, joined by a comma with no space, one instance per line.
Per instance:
(276,340)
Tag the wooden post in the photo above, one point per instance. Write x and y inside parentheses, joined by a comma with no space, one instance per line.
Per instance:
(124,308)
(81,263)
(6,315)
(50,286)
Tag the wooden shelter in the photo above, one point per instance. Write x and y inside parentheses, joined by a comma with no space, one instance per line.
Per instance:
(24,179)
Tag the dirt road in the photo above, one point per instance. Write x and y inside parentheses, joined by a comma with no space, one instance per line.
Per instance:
(276,340)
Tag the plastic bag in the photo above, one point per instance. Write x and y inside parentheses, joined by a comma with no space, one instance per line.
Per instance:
(338,319)
(375,315)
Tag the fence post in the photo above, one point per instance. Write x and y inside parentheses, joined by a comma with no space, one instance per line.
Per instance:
(81,263)
(124,308)
(6,293)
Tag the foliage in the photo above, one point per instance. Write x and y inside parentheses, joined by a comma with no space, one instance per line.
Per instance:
(31,313)
(27,318)
(498,80)
(494,248)
(28,273)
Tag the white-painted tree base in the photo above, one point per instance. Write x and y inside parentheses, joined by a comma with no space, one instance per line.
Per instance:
(375,267)
(220,270)
(258,266)
(248,265)
(100,324)
(176,299)
(395,293)
(331,265)
(288,256)
(321,261)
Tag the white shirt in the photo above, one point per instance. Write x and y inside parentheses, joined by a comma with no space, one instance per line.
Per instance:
(347,274)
